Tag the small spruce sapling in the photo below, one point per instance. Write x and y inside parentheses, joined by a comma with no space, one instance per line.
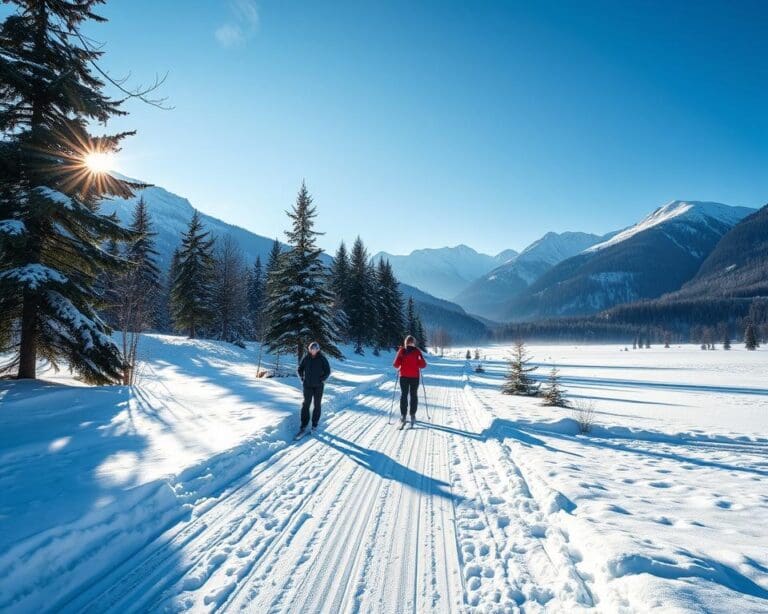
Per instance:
(517,381)
(553,393)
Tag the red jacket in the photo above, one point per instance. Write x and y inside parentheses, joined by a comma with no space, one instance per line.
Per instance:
(409,361)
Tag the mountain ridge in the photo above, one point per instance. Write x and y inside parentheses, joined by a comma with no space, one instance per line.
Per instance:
(653,257)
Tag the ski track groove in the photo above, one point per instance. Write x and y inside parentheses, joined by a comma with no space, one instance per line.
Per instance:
(350,481)
(266,558)
(212,519)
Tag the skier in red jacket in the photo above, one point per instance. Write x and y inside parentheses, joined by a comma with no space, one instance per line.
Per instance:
(409,361)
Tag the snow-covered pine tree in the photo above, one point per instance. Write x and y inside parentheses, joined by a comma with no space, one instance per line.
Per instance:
(517,381)
(256,299)
(726,338)
(361,304)
(192,286)
(340,287)
(750,337)
(553,393)
(231,319)
(135,290)
(51,230)
(301,302)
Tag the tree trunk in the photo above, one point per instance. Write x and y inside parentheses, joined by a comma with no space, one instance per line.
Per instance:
(28,344)
(28,341)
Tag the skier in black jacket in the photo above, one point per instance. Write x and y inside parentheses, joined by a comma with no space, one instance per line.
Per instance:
(313,370)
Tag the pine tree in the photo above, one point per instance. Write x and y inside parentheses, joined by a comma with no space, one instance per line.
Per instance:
(726,338)
(411,318)
(360,308)
(135,289)
(421,334)
(468,355)
(257,288)
(750,337)
(553,393)
(51,230)
(392,326)
(517,381)
(272,287)
(413,324)
(231,319)
(301,304)
(375,315)
(340,285)
(192,288)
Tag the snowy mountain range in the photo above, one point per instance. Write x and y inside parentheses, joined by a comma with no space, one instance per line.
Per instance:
(444,272)
(655,256)
(488,295)
(561,274)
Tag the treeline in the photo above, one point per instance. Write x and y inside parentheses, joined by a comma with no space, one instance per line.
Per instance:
(294,298)
(640,324)
(368,302)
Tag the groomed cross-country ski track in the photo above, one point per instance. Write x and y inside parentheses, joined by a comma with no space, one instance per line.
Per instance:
(362,517)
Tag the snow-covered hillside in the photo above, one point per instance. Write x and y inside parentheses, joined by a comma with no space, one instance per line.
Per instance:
(170,216)
(444,271)
(488,295)
(185,493)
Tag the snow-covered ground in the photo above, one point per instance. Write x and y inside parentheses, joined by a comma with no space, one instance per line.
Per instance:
(186,494)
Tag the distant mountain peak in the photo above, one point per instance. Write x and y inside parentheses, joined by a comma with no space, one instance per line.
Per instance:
(443,271)
(679,211)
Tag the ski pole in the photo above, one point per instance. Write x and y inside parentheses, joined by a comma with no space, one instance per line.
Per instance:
(394,392)
(426,405)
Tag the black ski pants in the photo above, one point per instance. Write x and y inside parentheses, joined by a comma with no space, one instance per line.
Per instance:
(409,386)
(311,393)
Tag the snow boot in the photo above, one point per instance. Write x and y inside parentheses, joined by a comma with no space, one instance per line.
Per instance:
(413,421)
(402,423)
(300,434)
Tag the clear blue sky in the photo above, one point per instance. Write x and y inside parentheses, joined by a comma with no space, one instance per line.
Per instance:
(435,123)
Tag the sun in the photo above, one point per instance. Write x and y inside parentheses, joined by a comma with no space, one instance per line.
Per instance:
(99,161)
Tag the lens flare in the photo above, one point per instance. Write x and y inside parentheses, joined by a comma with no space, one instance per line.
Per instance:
(99,161)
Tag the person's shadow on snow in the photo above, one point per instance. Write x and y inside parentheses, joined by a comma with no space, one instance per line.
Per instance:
(387,467)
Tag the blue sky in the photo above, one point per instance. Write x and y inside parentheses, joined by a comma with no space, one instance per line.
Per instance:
(437,123)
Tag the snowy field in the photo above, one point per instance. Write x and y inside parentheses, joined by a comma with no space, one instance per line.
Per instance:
(186,493)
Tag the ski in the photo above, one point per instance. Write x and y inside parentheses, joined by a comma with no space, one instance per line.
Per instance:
(300,434)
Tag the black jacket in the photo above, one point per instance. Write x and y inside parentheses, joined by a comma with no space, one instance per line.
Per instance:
(314,371)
